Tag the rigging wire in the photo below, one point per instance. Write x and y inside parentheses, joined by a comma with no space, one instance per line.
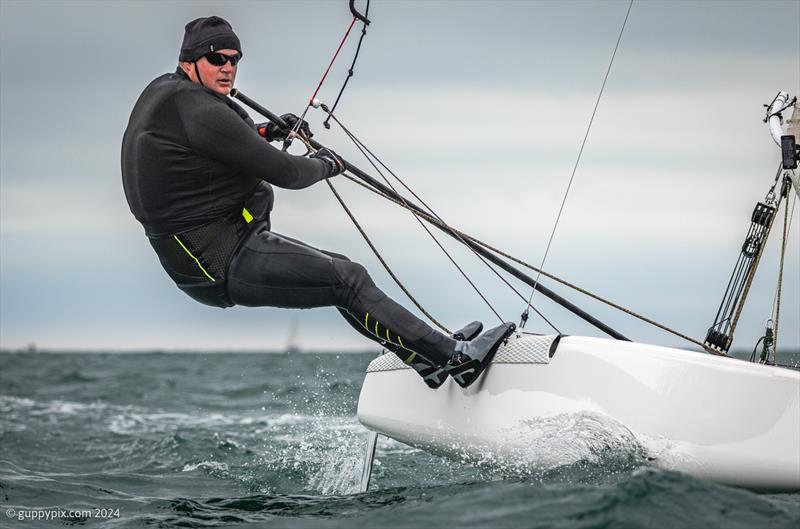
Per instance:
(524,317)
(555,278)
(351,70)
(311,101)
(438,221)
(383,262)
(744,289)
(474,286)
(369,155)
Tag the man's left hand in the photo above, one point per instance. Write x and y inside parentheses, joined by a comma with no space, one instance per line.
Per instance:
(272,132)
(335,164)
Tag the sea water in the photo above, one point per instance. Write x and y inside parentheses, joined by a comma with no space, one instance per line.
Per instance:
(272,440)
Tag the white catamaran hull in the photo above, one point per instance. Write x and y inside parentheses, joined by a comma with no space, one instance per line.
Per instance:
(721,419)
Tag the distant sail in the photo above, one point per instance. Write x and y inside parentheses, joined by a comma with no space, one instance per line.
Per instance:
(291,344)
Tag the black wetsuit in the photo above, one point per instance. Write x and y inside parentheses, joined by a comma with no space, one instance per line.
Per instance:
(197,176)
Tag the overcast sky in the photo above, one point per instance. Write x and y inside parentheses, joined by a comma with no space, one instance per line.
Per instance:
(479,106)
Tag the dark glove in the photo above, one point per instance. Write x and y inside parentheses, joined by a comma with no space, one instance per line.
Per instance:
(272,132)
(335,164)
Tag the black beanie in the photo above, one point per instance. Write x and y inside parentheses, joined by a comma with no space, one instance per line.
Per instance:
(207,34)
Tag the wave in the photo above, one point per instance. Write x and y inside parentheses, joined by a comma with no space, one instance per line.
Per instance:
(647,499)
(262,451)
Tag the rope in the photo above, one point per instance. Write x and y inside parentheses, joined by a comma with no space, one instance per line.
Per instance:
(351,70)
(441,223)
(347,34)
(299,122)
(577,161)
(385,266)
(439,244)
(749,279)
(557,279)
(787,220)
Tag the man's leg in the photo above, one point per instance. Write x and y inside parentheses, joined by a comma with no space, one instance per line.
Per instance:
(273,270)
(404,354)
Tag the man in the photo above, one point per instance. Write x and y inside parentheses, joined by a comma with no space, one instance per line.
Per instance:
(197,173)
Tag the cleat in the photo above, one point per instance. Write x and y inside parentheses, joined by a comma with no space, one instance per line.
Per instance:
(468,332)
(471,358)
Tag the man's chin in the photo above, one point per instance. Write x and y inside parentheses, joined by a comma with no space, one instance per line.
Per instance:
(223,89)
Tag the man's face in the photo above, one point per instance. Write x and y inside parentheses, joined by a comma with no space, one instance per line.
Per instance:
(218,78)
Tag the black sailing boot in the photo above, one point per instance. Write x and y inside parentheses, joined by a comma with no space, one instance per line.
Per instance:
(471,358)
(433,375)
(468,331)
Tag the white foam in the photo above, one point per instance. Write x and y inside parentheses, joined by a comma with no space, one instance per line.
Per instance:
(546,443)
(214,466)
(9,403)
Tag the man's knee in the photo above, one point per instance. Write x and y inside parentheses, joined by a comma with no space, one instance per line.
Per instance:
(357,287)
(351,273)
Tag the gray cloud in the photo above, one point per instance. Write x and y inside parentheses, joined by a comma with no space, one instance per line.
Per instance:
(479,105)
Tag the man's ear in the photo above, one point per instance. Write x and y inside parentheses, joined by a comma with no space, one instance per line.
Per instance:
(187,68)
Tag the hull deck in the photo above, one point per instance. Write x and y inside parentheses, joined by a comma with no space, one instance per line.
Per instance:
(721,419)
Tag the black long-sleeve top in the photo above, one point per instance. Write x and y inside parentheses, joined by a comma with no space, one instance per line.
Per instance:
(191,156)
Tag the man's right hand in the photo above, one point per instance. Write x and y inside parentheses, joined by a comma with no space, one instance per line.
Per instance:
(334,162)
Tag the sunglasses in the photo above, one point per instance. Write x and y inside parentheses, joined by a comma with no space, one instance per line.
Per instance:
(219,59)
